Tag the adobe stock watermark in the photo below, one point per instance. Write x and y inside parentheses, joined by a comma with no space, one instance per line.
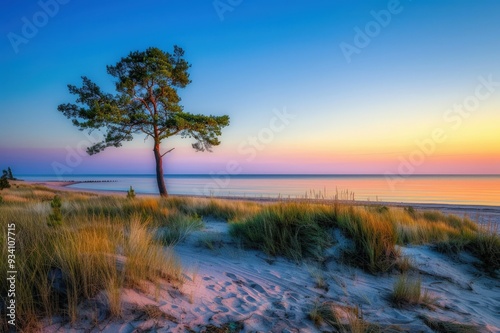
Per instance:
(74,157)
(31,26)
(248,149)
(363,37)
(453,119)
(223,6)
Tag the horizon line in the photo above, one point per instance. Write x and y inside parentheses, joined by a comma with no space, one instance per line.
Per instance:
(265,174)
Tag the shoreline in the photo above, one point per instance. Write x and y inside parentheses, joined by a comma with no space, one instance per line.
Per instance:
(482,214)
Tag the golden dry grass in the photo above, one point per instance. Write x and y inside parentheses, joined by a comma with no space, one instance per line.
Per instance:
(345,319)
(408,291)
(103,249)
(106,243)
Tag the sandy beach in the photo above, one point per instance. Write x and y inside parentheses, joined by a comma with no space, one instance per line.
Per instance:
(227,285)
(230,285)
(228,288)
(478,213)
(250,166)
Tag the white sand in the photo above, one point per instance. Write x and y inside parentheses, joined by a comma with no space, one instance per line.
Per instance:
(229,284)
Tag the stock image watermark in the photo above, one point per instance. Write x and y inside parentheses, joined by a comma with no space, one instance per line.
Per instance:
(222,7)
(453,118)
(30,25)
(363,36)
(248,149)
(74,157)
(11,275)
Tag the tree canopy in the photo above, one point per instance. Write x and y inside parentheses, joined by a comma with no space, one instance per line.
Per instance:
(4,180)
(146,102)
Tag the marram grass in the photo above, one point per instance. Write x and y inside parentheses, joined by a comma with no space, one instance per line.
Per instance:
(106,243)
(92,250)
(291,230)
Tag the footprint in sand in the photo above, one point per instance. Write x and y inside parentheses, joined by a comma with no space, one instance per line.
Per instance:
(223,309)
(231,276)
(231,302)
(250,299)
(249,308)
(257,287)
(217,288)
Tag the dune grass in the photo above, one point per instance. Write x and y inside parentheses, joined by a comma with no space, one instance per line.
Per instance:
(443,326)
(291,230)
(175,227)
(301,230)
(106,243)
(97,247)
(227,210)
(408,291)
(374,236)
(485,245)
(345,319)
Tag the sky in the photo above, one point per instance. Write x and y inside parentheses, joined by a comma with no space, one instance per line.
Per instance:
(315,87)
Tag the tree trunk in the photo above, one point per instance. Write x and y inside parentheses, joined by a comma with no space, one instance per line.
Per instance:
(159,172)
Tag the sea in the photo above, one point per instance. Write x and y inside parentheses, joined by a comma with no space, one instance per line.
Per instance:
(427,189)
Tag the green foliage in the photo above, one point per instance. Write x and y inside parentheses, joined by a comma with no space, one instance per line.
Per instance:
(485,245)
(131,193)
(146,102)
(4,181)
(176,227)
(55,218)
(290,230)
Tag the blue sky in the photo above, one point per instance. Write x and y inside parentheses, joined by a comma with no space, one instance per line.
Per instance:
(350,117)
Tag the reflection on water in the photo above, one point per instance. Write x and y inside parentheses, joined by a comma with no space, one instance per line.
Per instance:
(474,190)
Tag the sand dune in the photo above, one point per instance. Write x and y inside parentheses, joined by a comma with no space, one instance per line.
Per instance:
(250,292)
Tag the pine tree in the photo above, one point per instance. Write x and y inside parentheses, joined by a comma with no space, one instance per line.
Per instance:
(147,103)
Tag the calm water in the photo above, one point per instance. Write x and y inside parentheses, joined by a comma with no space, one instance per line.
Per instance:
(472,190)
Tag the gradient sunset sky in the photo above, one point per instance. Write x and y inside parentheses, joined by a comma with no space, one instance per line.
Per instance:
(362,103)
